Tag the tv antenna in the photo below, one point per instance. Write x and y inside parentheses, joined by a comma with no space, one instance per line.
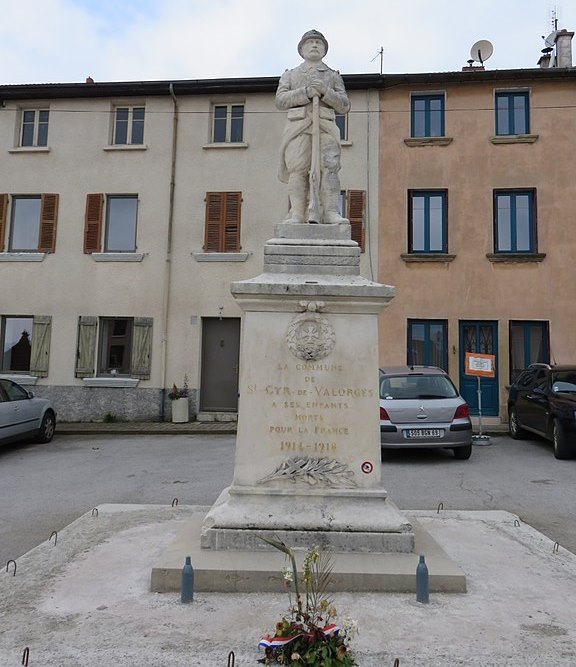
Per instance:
(481,51)
(381,54)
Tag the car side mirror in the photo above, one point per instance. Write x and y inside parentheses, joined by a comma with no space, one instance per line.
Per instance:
(30,394)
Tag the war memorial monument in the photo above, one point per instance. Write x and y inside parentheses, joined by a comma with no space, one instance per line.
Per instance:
(307,458)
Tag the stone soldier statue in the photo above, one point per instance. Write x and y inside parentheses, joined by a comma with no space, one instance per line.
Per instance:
(313,94)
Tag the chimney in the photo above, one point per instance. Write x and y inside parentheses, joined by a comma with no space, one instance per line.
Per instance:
(564,48)
(545,58)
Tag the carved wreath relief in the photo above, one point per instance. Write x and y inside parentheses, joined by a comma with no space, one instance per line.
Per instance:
(322,471)
(310,336)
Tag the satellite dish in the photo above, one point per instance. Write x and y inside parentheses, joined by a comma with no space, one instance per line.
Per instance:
(481,51)
(550,40)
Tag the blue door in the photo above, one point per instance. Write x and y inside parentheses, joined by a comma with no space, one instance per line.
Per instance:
(479,337)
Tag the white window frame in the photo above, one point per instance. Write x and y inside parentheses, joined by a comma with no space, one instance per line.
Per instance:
(36,127)
(108,219)
(228,129)
(130,122)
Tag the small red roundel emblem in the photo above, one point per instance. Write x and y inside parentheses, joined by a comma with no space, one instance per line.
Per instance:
(367,467)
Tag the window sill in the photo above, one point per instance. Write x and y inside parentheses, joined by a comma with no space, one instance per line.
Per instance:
(30,149)
(345,142)
(221,256)
(425,257)
(20,379)
(428,141)
(114,382)
(515,257)
(117,256)
(22,256)
(515,139)
(226,144)
(126,147)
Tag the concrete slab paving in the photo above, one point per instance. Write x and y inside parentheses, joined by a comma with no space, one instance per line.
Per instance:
(83,599)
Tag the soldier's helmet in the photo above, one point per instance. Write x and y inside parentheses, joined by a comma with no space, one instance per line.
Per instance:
(312,34)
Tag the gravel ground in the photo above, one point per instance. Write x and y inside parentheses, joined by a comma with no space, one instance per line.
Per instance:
(85,601)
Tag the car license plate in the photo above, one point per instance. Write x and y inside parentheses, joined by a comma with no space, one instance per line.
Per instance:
(416,433)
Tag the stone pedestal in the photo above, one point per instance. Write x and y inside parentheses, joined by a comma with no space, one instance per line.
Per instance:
(307,465)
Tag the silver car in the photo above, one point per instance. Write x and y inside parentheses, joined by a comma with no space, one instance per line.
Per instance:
(23,417)
(421,407)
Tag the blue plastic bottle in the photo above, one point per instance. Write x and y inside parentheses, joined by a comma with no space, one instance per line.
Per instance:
(187,590)
(422,594)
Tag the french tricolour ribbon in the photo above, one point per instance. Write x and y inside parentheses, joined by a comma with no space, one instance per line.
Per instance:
(330,630)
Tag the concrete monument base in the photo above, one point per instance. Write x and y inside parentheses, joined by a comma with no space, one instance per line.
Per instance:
(346,520)
(247,571)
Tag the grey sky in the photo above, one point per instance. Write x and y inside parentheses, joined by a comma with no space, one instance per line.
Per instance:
(50,41)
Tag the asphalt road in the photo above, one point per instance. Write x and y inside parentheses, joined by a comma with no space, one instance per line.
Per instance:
(45,487)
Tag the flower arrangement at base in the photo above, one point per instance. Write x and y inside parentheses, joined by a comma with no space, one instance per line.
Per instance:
(308,634)
(179,392)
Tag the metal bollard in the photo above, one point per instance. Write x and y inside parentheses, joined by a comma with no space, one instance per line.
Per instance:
(187,590)
(422,589)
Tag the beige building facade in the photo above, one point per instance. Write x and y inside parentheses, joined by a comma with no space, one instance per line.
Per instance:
(126,210)
(477,227)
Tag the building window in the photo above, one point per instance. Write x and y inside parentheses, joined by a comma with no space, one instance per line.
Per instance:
(514,221)
(34,127)
(428,343)
(427,221)
(427,115)
(342,125)
(119,223)
(222,225)
(25,343)
(129,125)
(112,346)
(512,113)
(31,224)
(529,344)
(228,124)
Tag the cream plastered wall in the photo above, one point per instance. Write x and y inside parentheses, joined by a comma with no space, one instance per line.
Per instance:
(470,168)
(80,161)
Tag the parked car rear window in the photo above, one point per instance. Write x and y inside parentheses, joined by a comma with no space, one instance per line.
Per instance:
(417,387)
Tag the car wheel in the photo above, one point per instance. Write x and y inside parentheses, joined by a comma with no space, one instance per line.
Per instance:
(47,428)
(562,449)
(516,431)
(462,453)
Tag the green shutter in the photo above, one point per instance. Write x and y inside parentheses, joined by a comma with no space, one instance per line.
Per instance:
(86,351)
(141,347)
(40,353)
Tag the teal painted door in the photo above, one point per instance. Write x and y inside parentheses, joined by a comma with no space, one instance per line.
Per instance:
(479,337)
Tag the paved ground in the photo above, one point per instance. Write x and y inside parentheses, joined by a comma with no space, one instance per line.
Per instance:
(84,601)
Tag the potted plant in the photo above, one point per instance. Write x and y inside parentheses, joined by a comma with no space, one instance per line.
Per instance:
(180,406)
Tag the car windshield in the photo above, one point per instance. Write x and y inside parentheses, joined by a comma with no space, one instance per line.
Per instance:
(417,387)
(564,382)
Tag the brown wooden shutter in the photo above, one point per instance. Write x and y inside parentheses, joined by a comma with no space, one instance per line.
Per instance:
(48,219)
(232,222)
(356,210)
(222,230)
(212,232)
(93,223)
(3,214)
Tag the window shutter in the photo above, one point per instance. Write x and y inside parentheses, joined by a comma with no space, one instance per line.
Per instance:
(222,231)
(141,347)
(86,346)
(232,222)
(93,223)
(48,218)
(212,232)
(40,353)
(355,213)
(3,213)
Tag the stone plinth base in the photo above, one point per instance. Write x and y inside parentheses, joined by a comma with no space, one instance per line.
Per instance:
(344,520)
(260,571)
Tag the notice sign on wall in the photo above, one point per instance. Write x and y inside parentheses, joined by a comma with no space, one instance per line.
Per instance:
(481,365)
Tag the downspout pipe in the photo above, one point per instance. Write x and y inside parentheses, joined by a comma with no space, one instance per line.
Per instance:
(168,263)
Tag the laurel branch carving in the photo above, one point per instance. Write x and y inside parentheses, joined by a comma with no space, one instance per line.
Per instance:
(322,471)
